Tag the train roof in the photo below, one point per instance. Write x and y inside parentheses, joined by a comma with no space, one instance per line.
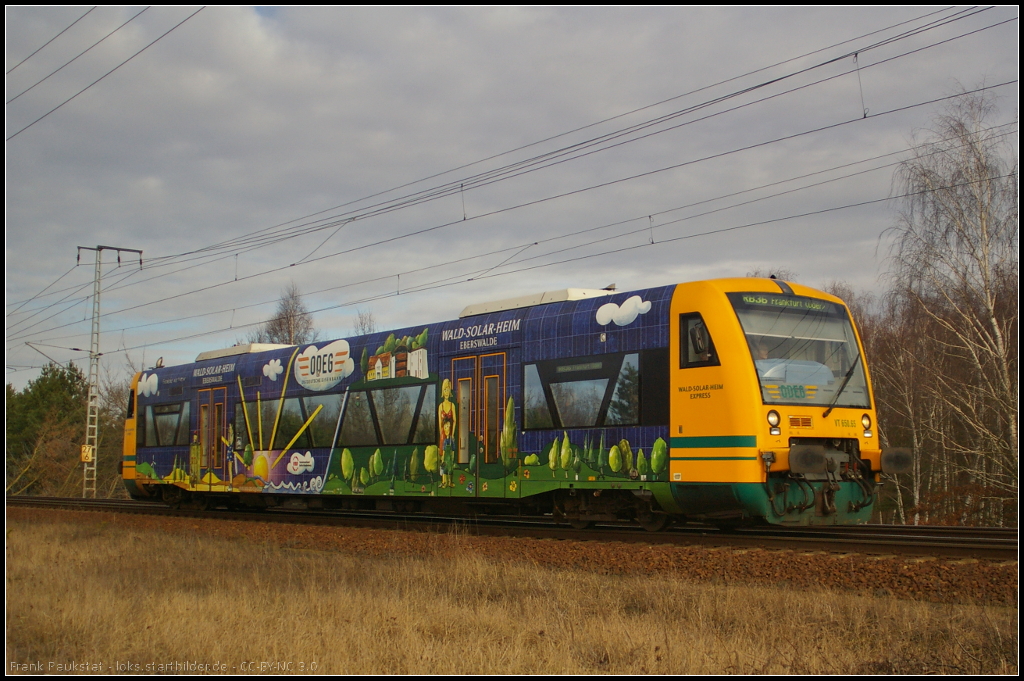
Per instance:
(535,299)
(243,349)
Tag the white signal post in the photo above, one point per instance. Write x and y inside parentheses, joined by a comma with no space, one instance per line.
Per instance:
(89,449)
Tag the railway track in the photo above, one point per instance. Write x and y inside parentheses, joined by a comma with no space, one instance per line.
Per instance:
(981,543)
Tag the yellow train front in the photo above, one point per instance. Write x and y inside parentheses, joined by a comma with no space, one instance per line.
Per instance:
(731,401)
(772,414)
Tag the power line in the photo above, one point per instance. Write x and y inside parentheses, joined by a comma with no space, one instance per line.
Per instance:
(106,74)
(76,57)
(455,184)
(444,283)
(549,198)
(301,230)
(22,303)
(537,201)
(51,40)
(479,274)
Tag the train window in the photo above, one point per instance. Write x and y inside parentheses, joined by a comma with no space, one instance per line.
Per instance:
(140,428)
(241,430)
(426,423)
(164,425)
(579,402)
(391,416)
(266,418)
(395,410)
(131,405)
(696,348)
(654,389)
(536,414)
(624,409)
(321,430)
(583,392)
(803,349)
(150,435)
(357,429)
(289,425)
(183,425)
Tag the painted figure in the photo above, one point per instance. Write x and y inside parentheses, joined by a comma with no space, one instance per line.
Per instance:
(446,421)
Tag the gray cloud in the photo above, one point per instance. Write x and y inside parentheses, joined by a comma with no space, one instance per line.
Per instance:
(238,121)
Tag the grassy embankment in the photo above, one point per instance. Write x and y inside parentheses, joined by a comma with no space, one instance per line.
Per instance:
(78,594)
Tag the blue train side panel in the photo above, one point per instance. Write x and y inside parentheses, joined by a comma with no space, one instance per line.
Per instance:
(419,410)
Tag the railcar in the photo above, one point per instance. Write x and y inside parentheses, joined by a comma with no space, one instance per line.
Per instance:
(728,401)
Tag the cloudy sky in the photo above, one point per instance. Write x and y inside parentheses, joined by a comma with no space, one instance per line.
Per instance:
(409,162)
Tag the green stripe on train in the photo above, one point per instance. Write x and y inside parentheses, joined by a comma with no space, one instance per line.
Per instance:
(714,458)
(714,441)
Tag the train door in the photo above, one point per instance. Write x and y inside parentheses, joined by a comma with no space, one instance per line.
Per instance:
(464,385)
(212,436)
(479,385)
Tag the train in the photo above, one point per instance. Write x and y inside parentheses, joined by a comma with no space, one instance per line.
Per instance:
(731,401)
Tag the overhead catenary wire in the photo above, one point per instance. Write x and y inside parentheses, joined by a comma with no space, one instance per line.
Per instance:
(263,273)
(240,248)
(67,63)
(314,251)
(482,273)
(105,74)
(51,40)
(446,282)
(455,185)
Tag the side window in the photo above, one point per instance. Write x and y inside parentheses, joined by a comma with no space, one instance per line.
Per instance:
(241,428)
(390,416)
(321,430)
(583,392)
(163,425)
(290,426)
(357,428)
(696,349)
(536,414)
(624,409)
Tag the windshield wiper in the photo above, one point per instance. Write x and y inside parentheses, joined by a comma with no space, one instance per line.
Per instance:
(846,379)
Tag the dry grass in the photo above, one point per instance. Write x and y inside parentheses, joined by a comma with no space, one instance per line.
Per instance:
(97,594)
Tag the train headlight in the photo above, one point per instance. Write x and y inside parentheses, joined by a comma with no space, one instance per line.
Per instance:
(773,421)
(865,421)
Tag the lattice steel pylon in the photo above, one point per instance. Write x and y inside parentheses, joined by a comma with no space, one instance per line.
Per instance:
(90,450)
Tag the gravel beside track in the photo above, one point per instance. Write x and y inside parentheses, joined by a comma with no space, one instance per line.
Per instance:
(918,578)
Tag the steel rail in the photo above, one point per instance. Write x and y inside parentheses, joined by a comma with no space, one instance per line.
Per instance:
(984,543)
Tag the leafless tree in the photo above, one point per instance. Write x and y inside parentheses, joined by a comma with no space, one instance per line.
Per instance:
(365,323)
(954,273)
(292,324)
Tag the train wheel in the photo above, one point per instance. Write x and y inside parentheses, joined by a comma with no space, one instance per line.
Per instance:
(652,522)
(172,496)
(577,524)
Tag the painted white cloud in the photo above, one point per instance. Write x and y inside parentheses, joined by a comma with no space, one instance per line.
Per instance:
(273,369)
(300,463)
(323,368)
(622,314)
(148,385)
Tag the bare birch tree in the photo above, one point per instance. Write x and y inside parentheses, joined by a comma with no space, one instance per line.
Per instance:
(292,324)
(954,269)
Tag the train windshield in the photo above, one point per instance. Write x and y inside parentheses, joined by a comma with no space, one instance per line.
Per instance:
(804,350)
